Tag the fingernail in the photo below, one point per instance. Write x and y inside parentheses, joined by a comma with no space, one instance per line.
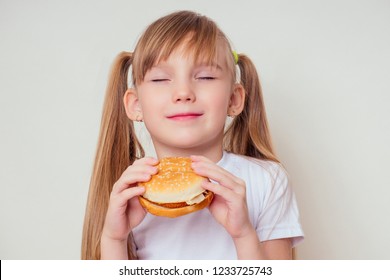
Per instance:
(194,165)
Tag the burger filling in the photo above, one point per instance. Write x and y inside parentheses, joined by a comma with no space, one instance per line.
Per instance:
(195,200)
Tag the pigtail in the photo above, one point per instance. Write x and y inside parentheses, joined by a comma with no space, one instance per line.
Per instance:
(248,133)
(117,148)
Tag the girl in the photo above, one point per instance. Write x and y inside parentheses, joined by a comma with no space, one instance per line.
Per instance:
(183,88)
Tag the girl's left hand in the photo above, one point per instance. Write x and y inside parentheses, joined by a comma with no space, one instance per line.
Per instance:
(229,205)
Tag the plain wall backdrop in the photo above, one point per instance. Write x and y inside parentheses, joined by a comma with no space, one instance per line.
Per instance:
(325,71)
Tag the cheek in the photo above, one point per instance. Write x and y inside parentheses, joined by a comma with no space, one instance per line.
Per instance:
(218,107)
(149,102)
(149,111)
(220,99)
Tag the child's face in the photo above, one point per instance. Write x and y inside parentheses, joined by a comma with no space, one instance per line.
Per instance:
(184,104)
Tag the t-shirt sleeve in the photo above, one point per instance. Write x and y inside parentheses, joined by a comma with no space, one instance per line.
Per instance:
(279,215)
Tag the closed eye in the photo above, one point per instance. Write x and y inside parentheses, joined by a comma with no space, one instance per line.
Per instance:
(206,78)
(159,80)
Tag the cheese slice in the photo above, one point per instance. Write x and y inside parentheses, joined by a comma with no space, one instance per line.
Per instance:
(196,199)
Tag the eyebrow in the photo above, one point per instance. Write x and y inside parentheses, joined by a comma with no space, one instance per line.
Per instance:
(213,65)
(163,66)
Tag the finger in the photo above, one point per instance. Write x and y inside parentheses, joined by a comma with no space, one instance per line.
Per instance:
(138,167)
(133,192)
(128,194)
(205,164)
(196,158)
(201,161)
(146,160)
(227,194)
(133,176)
(134,202)
(218,174)
(227,202)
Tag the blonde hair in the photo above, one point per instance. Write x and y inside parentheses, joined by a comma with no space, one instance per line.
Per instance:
(118,146)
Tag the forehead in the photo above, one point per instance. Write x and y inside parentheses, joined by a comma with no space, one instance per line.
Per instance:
(204,56)
(209,47)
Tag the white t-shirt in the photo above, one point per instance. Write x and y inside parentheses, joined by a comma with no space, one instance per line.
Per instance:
(272,211)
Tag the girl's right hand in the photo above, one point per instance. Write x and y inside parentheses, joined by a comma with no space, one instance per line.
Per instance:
(124,210)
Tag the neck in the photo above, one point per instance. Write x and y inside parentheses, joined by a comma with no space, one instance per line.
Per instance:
(213,153)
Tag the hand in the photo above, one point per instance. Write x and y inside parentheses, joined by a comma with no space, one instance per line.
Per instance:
(229,205)
(124,210)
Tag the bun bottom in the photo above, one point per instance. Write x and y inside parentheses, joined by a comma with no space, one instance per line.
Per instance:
(159,210)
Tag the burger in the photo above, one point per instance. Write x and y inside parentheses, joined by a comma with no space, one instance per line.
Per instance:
(175,190)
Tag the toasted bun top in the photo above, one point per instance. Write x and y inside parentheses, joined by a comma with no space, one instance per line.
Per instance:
(174,182)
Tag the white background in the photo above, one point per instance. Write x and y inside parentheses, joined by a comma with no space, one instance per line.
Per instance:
(325,69)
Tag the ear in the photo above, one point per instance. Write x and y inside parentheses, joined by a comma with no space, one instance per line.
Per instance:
(237,100)
(132,106)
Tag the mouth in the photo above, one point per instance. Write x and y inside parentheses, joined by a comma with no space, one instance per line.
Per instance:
(184,116)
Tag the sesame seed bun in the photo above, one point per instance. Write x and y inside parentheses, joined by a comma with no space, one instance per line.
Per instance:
(175,190)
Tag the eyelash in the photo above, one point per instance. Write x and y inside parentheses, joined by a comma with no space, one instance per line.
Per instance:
(206,78)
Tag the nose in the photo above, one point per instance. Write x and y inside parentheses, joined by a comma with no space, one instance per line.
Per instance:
(184,93)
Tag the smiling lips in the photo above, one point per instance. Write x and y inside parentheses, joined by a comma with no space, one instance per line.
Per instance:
(184,116)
